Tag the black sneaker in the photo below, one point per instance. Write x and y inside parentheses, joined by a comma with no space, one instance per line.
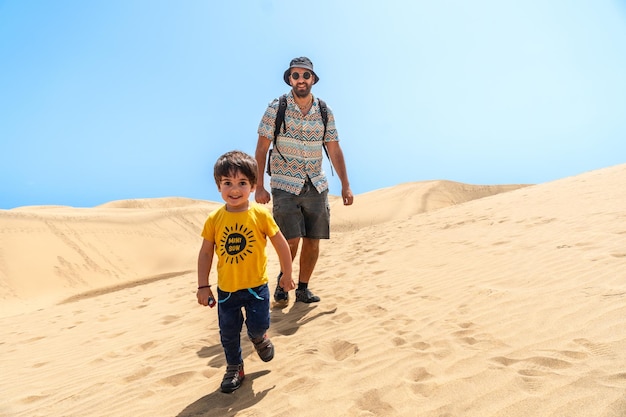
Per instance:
(233,378)
(306,296)
(280,294)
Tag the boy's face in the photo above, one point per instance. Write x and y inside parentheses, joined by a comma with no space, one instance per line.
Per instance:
(236,190)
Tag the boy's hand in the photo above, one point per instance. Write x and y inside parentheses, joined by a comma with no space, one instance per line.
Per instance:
(286,283)
(203,295)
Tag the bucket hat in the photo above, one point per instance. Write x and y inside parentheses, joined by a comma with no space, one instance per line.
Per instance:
(300,62)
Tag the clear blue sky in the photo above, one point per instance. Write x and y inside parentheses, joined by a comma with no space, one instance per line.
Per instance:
(118,99)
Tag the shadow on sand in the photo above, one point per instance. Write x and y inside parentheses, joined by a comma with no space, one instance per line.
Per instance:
(284,322)
(220,404)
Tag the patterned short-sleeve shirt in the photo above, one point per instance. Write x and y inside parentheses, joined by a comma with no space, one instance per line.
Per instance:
(300,145)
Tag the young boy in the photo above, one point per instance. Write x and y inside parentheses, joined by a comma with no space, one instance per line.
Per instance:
(236,233)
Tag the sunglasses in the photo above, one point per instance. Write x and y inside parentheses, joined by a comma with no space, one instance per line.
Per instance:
(296,76)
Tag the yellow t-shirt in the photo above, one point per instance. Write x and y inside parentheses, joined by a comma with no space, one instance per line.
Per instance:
(240,240)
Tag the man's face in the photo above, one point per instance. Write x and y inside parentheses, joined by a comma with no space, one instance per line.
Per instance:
(301,80)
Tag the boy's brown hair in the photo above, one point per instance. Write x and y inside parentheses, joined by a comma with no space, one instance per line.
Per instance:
(232,162)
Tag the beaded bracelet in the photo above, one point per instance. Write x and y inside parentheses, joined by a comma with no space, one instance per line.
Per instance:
(204,286)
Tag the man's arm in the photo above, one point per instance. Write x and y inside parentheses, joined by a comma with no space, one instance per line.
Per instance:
(336,158)
(261,195)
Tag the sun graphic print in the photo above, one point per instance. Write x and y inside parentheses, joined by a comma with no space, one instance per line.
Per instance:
(236,243)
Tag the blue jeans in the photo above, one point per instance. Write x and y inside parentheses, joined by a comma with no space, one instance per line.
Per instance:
(256,303)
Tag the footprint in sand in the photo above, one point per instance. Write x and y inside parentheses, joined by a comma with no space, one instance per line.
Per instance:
(504,360)
(572,354)
(372,402)
(341,350)
(539,363)
(170,319)
(342,318)
(401,322)
(598,349)
(398,341)
(376,310)
(550,363)
(178,379)
(531,380)
(421,382)
(421,346)
(147,345)
(301,385)
(415,290)
(141,373)
(533,370)
(420,374)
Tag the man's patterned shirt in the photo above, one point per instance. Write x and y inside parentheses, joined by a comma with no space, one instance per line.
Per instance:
(300,145)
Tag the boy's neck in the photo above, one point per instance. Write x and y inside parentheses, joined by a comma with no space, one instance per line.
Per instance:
(238,209)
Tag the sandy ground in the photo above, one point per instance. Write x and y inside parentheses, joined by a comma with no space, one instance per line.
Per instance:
(438,299)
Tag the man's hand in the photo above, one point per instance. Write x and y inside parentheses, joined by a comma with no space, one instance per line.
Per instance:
(346,195)
(261,195)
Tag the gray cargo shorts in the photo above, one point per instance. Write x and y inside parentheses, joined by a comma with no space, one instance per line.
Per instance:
(304,215)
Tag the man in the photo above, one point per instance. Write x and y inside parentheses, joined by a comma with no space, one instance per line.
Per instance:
(298,184)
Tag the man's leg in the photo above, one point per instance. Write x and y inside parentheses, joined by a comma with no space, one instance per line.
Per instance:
(288,216)
(280,295)
(308,258)
(316,212)
(293,246)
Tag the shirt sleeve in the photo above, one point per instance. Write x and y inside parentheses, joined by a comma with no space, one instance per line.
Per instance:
(266,126)
(271,226)
(208,231)
(331,129)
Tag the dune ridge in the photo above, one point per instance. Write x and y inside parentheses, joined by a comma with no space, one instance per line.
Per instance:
(126,241)
(503,305)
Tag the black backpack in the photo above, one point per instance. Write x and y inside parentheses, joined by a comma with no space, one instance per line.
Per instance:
(280,121)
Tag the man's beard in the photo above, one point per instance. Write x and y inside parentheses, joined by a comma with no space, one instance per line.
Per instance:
(302,92)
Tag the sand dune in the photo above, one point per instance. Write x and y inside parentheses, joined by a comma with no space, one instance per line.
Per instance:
(52,252)
(405,200)
(438,299)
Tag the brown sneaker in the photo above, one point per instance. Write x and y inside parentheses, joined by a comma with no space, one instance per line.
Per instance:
(264,348)
(233,378)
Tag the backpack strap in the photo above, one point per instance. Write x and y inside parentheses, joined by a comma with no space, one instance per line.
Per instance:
(280,117)
(324,112)
(280,120)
